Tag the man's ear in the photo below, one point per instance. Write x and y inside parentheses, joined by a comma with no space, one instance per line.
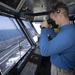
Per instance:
(59,15)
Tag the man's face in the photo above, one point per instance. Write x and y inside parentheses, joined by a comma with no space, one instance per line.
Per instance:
(55,18)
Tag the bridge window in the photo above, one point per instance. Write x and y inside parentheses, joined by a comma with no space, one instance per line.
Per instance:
(31,30)
(37,26)
(13,43)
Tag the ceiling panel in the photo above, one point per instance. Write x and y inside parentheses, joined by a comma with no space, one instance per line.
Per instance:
(38,6)
(43,5)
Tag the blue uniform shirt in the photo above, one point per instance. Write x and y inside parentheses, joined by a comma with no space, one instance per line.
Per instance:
(61,48)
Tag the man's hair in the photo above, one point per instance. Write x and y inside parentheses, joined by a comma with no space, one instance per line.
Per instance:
(60,7)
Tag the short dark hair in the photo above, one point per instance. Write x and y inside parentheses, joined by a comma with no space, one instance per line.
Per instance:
(60,6)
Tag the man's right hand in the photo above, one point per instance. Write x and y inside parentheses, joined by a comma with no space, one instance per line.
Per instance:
(45,24)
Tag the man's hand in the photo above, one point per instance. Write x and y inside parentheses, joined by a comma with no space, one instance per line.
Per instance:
(45,24)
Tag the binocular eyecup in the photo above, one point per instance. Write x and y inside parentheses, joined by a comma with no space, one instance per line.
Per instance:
(50,21)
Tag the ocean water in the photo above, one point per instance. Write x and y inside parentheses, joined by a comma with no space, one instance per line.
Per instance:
(9,34)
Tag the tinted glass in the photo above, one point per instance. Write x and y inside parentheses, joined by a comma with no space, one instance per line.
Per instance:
(31,30)
(13,44)
(11,3)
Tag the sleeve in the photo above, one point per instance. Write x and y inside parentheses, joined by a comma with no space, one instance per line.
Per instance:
(52,32)
(58,44)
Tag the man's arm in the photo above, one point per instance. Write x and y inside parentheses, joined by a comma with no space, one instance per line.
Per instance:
(52,32)
(57,45)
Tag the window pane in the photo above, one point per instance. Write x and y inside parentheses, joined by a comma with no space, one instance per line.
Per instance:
(37,26)
(31,30)
(13,44)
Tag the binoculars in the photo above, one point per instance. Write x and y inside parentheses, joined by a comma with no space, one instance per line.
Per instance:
(50,21)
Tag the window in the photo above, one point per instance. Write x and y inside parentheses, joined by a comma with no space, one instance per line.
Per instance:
(31,30)
(37,26)
(13,44)
(14,5)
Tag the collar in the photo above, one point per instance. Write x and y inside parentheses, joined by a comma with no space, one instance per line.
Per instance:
(67,26)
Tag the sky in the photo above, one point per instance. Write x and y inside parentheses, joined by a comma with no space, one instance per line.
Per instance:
(5,23)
